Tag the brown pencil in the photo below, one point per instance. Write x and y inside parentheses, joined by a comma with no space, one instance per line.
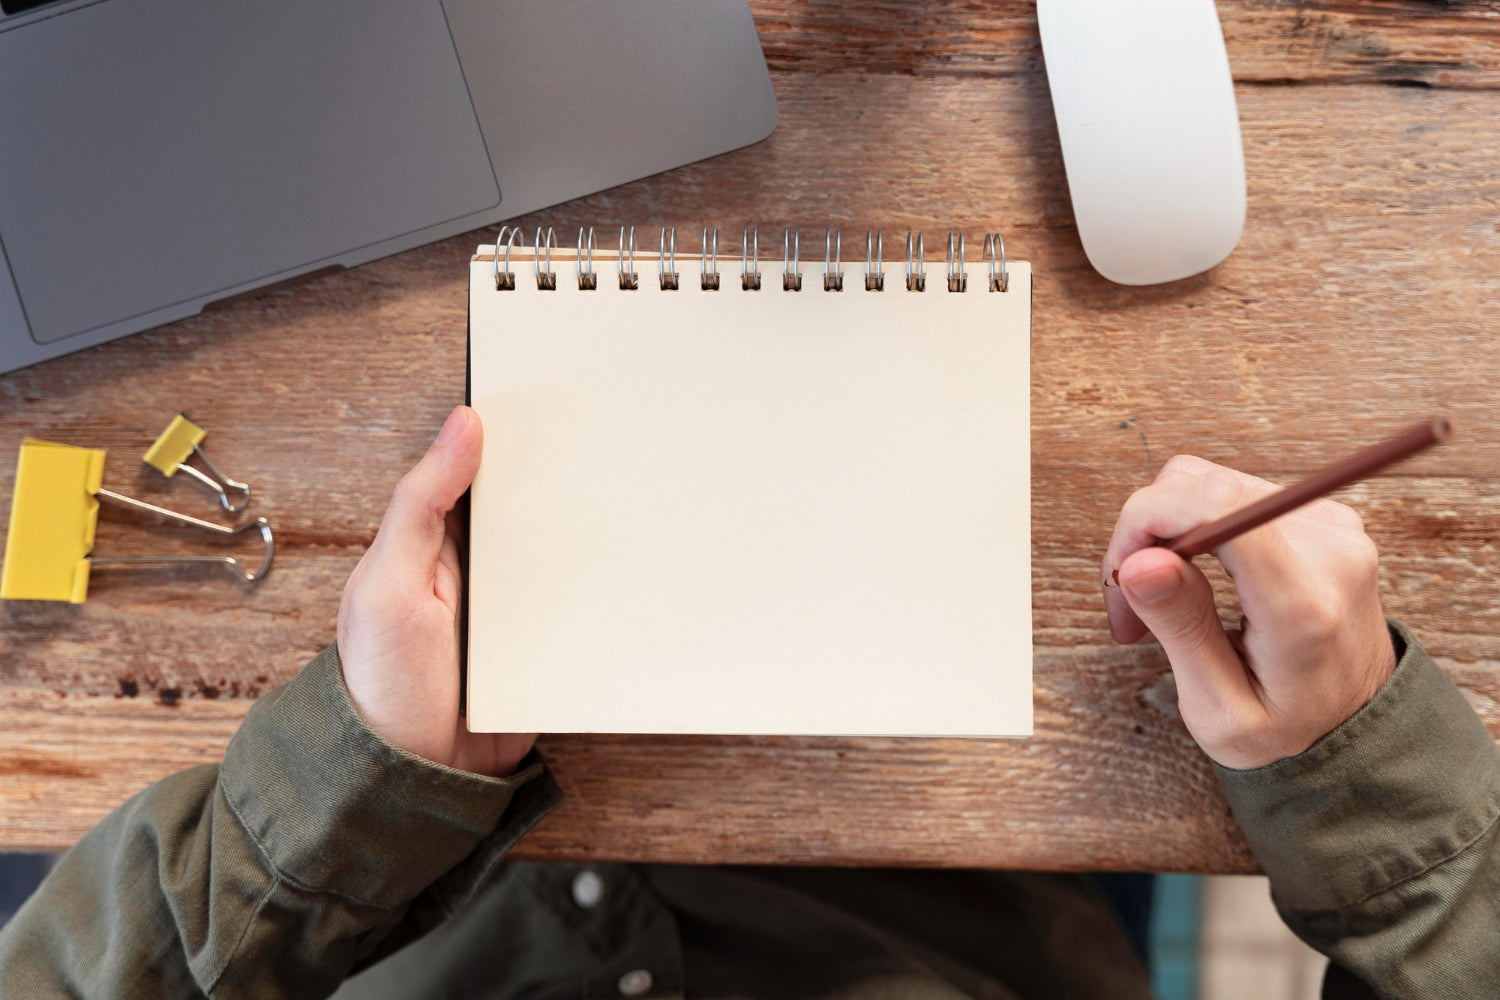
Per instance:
(1361,465)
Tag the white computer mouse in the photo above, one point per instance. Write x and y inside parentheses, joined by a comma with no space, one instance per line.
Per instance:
(1150,133)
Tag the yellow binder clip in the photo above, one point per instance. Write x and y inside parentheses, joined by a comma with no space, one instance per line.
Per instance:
(177,444)
(53,514)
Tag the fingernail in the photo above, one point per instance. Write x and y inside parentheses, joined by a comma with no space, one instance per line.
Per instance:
(451,426)
(1155,585)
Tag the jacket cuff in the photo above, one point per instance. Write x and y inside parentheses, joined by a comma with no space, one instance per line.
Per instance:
(1404,784)
(335,807)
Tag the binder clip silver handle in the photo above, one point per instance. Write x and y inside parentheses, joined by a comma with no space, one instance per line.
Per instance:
(180,441)
(228,562)
(219,483)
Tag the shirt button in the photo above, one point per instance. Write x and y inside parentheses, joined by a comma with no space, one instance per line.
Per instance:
(588,889)
(635,983)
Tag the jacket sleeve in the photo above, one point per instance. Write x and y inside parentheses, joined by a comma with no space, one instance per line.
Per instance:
(1381,840)
(315,847)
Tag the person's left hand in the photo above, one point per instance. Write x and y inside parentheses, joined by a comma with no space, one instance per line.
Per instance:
(398,621)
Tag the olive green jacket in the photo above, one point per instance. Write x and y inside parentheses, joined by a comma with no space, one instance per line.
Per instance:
(317,854)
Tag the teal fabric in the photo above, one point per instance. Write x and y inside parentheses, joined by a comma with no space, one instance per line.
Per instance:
(1175,936)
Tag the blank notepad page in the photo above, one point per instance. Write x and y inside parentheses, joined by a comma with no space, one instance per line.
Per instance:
(739,511)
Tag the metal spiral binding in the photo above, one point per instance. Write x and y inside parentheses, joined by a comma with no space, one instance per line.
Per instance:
(505,281)
(667,278)
(588,279)
(629,280)
(710,270)
(915,281)
(750,260)
(993,243)
(791,245)
(875,282)
(833,278)
(958,279)
(546,278)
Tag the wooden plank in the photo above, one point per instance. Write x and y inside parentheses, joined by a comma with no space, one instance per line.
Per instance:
(1398,42)
(66,760)
(1359,297)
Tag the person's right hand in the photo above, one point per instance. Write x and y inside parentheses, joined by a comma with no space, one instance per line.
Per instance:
(1313,646)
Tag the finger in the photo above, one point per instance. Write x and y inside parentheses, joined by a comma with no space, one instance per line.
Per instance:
(1183,467)
(449,554)
(1179,473)
(1124,626)
(1175,601)
(411,534)
(1189,492)
(1237,637)
(448,581)
(1331,513)
(457,526)
(1267,564)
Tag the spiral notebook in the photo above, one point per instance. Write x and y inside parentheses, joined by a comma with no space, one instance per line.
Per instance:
(722,494)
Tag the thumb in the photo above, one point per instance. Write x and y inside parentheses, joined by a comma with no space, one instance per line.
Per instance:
(1175,601)
(411,534)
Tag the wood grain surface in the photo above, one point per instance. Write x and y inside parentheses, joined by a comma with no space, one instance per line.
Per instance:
(1361,297)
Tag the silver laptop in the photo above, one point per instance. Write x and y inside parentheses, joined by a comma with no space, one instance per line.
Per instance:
(160,155)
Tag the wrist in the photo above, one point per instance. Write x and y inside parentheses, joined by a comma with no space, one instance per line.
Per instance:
(1406,781)
(305,771)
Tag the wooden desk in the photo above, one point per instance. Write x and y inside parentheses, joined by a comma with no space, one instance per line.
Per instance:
(1362,295)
